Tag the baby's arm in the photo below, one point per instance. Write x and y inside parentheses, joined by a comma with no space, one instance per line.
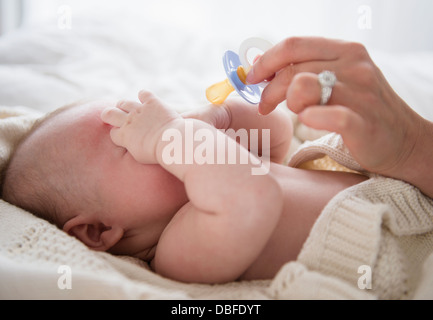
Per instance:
(231,214)
(238,114)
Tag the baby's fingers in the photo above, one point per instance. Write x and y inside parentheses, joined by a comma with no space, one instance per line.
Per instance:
(117,136)
(114,116)
(145,96)
(127,105)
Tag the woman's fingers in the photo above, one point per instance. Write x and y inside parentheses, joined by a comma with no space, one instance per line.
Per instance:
(276,91)
(350,62)
(293,51)
(335,118)
(305,91)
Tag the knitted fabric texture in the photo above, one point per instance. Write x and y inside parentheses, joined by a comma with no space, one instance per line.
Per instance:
(382,223)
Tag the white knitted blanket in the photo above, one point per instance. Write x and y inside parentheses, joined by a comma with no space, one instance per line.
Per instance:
(382,224)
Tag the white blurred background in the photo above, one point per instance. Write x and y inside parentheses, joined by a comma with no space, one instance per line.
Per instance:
(53,52)
(394,25)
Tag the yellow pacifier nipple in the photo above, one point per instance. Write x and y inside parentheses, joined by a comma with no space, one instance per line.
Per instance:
(219,92)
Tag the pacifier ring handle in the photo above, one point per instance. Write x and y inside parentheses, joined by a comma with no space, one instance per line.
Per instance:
(252,43)
(236,67)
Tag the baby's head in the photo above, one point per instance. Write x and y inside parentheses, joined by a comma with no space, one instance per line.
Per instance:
(69,172)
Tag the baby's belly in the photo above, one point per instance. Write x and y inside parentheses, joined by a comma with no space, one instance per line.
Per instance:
(306,193)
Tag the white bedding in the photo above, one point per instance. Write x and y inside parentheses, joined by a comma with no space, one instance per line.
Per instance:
(42,69)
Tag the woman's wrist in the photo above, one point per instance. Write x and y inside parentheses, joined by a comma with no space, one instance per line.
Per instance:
(417,169)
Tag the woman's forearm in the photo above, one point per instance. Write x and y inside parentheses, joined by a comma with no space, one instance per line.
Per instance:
(417,169)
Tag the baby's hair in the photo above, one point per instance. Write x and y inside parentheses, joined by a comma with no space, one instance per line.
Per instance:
(25,182)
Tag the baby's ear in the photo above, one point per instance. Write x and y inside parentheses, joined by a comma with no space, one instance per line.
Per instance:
(94,234)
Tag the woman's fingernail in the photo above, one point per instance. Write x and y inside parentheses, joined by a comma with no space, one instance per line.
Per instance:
(257,58)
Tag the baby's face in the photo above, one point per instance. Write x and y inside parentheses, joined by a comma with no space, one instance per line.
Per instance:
(139,198)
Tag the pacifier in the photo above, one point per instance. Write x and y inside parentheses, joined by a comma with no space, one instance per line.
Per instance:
(236,68)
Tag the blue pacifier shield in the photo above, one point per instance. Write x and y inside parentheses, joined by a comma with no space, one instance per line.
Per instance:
(250,92)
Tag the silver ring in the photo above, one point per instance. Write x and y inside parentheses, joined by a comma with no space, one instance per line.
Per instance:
(327,80)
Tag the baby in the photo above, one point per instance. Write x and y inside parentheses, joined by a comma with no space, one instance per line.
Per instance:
(99,171)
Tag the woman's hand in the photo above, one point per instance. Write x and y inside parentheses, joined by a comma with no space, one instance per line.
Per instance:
(381,131)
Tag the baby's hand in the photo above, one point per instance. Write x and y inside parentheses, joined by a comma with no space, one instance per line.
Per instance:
(139,127)
(217,116)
